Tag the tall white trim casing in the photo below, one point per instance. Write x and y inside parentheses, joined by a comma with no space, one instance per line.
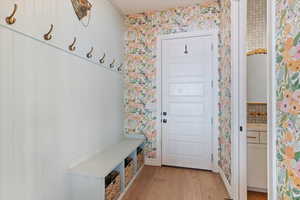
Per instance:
(239,99)
(272,162)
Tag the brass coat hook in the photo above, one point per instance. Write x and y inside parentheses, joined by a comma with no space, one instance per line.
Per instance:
(72,46)
(102,60)
(120,67)
(112,65)
(48,35)
(89,54)
(11,19)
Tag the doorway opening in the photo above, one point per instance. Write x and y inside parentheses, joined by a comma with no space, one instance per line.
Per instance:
(254,100)
(257,101)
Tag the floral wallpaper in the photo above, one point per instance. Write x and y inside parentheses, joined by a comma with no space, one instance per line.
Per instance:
(140,49)
(288,98)
(225,89)
(140,72)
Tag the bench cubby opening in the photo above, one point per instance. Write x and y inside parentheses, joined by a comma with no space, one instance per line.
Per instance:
(113,184)
(130,168)
(140,156)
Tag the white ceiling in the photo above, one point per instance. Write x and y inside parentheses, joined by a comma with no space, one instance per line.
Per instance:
(137,6)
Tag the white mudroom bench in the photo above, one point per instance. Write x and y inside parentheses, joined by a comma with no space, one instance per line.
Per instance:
(88,178)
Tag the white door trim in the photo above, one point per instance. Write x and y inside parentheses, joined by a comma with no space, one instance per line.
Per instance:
(239,19)
(272,165)
(242,80)
(214,35)
(238,146)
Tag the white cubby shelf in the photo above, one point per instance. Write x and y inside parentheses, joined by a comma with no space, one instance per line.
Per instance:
(88,178)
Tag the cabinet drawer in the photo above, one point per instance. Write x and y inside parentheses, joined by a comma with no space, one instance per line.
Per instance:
(253,137)
(263,138)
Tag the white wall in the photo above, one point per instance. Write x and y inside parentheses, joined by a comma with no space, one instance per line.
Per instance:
(104,33)
(257,78)
(55,108)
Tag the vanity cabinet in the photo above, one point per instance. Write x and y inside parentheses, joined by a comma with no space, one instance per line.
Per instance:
(257,160)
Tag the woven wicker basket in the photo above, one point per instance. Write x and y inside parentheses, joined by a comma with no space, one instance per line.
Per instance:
(113,190)
(140,159)
(129,172)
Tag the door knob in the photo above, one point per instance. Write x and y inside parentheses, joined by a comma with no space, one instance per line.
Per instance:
(165,121)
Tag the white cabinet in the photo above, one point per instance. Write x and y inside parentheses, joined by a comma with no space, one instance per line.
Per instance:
(253,137)
(257,158)
(263,138)
(257,167)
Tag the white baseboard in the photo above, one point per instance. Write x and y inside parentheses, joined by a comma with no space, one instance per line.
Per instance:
(257,190)
(153,162)
(215,168)
(226,183)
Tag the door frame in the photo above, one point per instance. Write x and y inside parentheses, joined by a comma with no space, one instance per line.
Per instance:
(215,77)
(272,112)
(239,98)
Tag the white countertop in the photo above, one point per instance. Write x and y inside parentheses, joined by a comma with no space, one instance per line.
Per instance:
(257,127)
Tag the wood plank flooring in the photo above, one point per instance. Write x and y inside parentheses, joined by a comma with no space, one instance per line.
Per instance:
(167,183)
(257,196)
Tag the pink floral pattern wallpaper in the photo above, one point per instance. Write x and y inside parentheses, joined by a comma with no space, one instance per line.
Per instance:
(288,98)
(225,89)
(140,72)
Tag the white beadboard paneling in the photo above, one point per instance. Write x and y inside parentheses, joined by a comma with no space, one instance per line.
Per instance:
(54,110)
(104,33)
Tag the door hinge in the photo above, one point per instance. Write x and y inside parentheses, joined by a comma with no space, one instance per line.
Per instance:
(241,129)
(212,84)
(212,157)
(212,120)
(212,47)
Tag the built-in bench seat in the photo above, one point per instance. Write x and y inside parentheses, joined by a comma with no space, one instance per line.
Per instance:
(88,178)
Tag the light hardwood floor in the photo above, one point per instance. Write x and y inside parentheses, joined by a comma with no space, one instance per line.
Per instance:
(167,183)
(257,196)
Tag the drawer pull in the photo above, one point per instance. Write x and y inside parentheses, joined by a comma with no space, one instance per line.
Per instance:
(251,137)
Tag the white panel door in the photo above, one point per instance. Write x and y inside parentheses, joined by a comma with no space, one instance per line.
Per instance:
(187,102)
